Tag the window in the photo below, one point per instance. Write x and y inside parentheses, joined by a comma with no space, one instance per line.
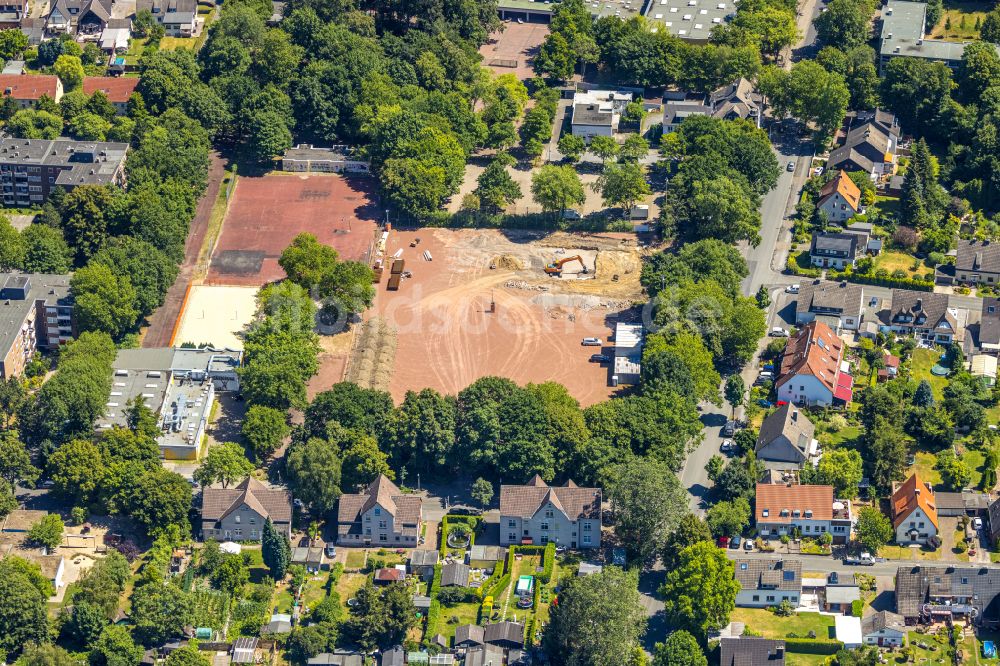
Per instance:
(511,523)
(586,527)
(545,539)
(770,597)
(237,533)
(253,534)
(756,597)
(253,521)
(381,524)
(378,511)
(545,526)
(548,513)
(383,537)
(511,536)
(586,538)
(238,518)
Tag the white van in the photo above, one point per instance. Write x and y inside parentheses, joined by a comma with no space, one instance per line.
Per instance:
(591,342)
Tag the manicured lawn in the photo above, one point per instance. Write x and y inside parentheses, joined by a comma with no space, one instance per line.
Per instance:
(454,616)
(975,459)
(950,26)
(829,437)
(769,625)
(907,553)
(800,659)
(936,652)
(920,368)
(993,415)
(349,584)
(355,559)
(888,205)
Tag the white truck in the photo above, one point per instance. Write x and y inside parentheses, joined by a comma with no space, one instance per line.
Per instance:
(862,560)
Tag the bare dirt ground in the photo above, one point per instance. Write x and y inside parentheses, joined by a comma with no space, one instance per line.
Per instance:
(334,351)
(446,335)
(518,43)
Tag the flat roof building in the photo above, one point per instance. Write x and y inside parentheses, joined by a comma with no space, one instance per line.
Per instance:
(540,11)
(904,25)
(335,159)
(178,385)
(692,20)
(628,353)
(31,168)
(36,312)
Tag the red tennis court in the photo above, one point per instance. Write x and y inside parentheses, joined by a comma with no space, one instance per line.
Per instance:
(267,212)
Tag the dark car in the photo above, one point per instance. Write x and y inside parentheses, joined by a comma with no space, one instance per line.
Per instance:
(735,541)
(599,358)
(729,429)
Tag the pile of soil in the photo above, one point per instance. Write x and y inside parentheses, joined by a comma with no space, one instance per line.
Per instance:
(508,262)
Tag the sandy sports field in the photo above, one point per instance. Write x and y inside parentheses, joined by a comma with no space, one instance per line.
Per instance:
(438,331)
(216,315)
(512,50)
(267,212)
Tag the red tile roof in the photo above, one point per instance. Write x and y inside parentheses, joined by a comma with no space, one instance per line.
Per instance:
(843,185)
(776,499)
(911,495)
(29,86)
(117,88)
(816,351)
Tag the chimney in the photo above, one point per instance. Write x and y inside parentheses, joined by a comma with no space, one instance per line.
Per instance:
(795,415)
(779,651)
(916,491)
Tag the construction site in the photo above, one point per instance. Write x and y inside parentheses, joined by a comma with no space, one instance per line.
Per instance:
(456,305)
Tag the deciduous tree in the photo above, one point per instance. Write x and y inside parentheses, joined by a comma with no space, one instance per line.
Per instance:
(701,592)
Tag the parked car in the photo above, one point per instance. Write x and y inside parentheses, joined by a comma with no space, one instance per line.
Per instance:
(729,429)
(723,542)
(792,289)
(599,358)
(818,171)
(748,544)
(778,332)
(977,523)
(790,166)
(331,551)
(727,445)
(591,342)
(873,302)
(735,541)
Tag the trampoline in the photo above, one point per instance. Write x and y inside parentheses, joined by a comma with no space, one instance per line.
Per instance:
(939,370)
(989,650)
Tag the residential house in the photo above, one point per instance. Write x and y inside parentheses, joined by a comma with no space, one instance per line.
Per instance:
(925,315)
(738,100)
(239,513)
(27,89)
(178,385)
(839,598)
(506,634)
(946,593)
(118,89)
(837,250)
(884,629)
(36,312)
(870,147)
(914,512)
(11,13)
(306,158)
(537,514)
(115,36)
(51,565)
(680,105)
(82,17)
(455,574)
(179,18)
(977,262)
(989,326)
(808,510)
(31,168)
(751,651)
(840,305)
(840,198)
(786,439)
(422,562)
(380,515)
(767,583)
(810,371)
(689,20)
(598,112)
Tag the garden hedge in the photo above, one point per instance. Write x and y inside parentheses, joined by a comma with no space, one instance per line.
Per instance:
(812,646)
(471,521)
(894,283)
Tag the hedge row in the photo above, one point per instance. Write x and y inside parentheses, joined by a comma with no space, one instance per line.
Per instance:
(471,521)
(548,563)
(498,589)
(812,646)
(893,283)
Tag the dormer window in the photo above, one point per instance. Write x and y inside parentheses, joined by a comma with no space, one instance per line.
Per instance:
(378,511)
(238,519)
(765,513)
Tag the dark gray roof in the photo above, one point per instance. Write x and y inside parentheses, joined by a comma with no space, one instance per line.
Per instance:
(82,162)
(337,658)
(769,574)
(393,657)
(751,651)
(973,255)
(504,632)
(469,634)
(978,586)
(424,558)
(455,573)
(989,323)
(842,243)
(967,500)
(822,297)
(864,147)
(791,422)
(591,114)
(19,294)
(484,655)
(927,310)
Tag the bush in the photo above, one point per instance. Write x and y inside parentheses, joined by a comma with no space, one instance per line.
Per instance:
(433,614)
(500,586)
(548,562)
(857,607)
(881,278)
(456,595)
(813,646)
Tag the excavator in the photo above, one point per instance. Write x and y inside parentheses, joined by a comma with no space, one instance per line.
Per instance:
(555,268)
